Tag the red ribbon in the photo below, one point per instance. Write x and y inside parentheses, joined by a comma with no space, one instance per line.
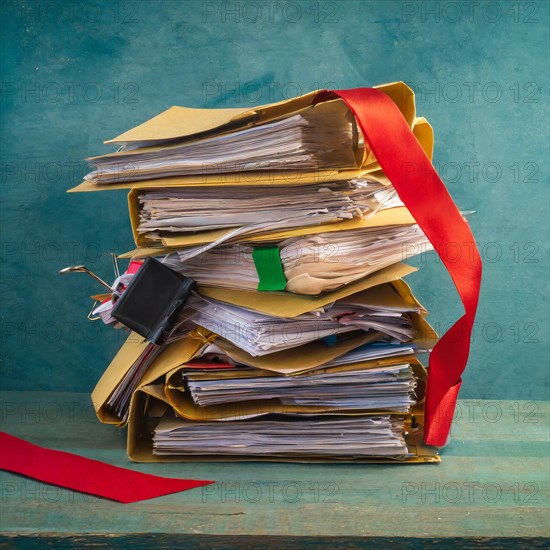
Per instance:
(414,178)
(84,474)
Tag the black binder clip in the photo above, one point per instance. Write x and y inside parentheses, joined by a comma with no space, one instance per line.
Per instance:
(151,303)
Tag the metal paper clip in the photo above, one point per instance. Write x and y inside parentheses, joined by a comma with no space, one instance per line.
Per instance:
(89,316)
(115,265)
(84,269)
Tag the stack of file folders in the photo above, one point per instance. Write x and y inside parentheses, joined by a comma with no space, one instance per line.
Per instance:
(269,315)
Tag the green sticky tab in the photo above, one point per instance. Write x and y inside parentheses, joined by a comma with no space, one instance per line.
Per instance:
(269,268)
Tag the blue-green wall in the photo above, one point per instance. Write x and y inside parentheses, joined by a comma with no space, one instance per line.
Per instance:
(76,73)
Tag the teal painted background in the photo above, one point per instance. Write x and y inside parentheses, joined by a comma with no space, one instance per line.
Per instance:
(76,73)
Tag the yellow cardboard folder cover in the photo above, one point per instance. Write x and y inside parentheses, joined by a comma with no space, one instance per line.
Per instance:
(150,403)
(279,304)
(393,216)
(146,247)
(383,289)
(161,389)
(178,397)
(155,396)
(172,356)
(287,304)
(193,124)
(388,217)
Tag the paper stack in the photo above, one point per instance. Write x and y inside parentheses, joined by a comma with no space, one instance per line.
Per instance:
(266,297)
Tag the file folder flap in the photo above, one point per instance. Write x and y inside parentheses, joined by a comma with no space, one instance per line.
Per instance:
(286,304)
(252,178)
(353,156)
(297,359)
(182,122)
(178,122)
(426,338)
(127,355)
(156,390)
(390,295)
(183,406)
(424,133)
(173,355)
(418,369)
(405,293)
(317,353)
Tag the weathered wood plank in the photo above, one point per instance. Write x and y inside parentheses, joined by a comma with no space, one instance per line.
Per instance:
(493,483)
(223,542)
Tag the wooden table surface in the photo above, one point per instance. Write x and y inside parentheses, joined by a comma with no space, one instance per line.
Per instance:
(492,487)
